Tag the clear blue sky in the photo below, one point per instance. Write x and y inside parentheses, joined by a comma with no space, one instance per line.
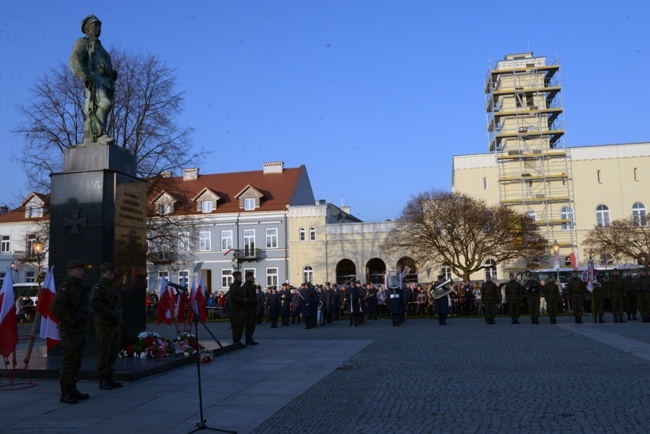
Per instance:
(374,97)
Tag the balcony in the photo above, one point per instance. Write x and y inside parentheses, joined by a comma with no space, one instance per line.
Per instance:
(161,257)
(247,254)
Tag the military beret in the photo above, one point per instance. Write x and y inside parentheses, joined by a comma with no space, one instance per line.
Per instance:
(75,264)
(236,273)
(89,19)
(107,266)
(250,274)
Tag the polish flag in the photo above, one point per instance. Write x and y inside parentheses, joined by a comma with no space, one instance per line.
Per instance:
(573,257)
(181,304)
(49,322)
(8,324)
(197,300)
(165,310)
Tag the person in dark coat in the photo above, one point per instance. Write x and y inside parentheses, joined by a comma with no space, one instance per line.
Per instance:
(285,304)
(395,301)
(274,301)
(552,297)
(353,301)
(309,306)
(533,291)
(261,305)
(441,305)
(490,295)
(296,306)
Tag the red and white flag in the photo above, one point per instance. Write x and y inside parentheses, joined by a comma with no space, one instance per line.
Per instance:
(181,304)
(573,257)
(8,324)
(165,305)
(197,300)
(49,322)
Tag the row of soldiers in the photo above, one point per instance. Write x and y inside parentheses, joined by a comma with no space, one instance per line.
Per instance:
(613,288)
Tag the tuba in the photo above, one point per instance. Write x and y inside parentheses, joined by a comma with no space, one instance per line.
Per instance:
(442,289)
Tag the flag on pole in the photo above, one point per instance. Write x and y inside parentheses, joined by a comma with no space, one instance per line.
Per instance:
(573,257)
(165,311)
(8,324)
(181,304)
(49,322)
(197,300)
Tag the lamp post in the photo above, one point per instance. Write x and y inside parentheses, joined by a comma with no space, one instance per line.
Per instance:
(556,249)
(235,264)
(37,249)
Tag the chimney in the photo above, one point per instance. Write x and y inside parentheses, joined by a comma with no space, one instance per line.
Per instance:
(346,209)
(321,202)
(4,209)
(276,167)
(165,174)
(191,174)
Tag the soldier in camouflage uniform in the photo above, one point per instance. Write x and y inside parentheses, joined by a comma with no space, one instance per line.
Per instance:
(631,301)
(533,291)
(642,287)
(514,291)
(552,296)
(598,295)
(490,295)
(70,306)
(576,290)
(106,302)
(616,290)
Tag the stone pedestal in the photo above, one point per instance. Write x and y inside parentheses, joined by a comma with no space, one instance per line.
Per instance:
(98,214)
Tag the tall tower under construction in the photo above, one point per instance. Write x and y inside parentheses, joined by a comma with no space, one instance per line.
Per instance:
(525,125)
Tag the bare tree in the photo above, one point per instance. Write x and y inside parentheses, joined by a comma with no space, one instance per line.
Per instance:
(143,119)
(624,239)
(463,232)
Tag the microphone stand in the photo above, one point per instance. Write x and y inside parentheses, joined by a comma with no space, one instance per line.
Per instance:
(201,424)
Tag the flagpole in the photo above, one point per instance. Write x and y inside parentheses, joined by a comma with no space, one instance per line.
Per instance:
(37,319)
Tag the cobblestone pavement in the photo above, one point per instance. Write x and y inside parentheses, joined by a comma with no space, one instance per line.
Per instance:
(467,377)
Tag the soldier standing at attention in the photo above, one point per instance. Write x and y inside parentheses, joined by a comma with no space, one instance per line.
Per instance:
(249,288)
(513,298)
(642,286)
(237,309)
(106,301)
(599,302)
(533,291)
(616,290)
(70,305)
(576,290)
(489,292)
(552,297)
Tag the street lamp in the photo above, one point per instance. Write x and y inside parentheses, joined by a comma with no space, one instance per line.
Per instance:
(37,249)
(235,264)
(556,249)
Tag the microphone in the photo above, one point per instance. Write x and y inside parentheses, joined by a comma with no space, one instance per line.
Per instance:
(177,286)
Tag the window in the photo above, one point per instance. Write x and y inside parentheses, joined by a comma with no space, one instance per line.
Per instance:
(636,174)
(206,206)
(249,242)
(183,242)
(226,240)
(31,239)
(607,259)
(490,268)
(205,241)
(33,212)
(308,274)
(532,214)
(312,234)
(226,278)
(566,213)
(30,277)
(602,216)
(164,208)
(271,277)
(445,270)
(6,244)
(302,234)
(249,204)
(272,238)
(639,214)
(600,181)
(184,277)
(485,184)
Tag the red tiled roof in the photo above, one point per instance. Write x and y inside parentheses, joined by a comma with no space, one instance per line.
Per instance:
(18,214)
(278,190)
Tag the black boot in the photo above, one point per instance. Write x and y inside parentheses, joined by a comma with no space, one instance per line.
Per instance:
(67,396)
(104,383)
(116,384)
(80,396)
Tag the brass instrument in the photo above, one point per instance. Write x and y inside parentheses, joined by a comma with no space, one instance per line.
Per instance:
(442,289)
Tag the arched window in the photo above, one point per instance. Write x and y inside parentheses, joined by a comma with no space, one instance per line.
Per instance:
(312,234)
(532,214)
(639,214)
(606,259)
(491,268)
(302,234)
(445,270)
(602,216)
(308,274)
(566,213)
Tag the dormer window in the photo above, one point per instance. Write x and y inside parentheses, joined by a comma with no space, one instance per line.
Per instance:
(164,208)
(249,198)
(249,204)
(206,206)
(34,212)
